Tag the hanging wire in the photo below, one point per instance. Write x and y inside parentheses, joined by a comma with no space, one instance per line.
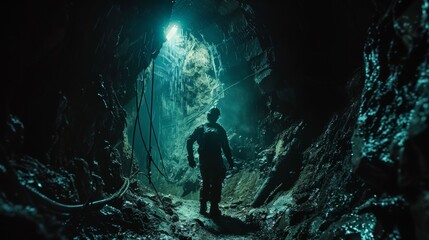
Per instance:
(137,124)
(148,151)
(150,122)
(146,148)
(57,207)
(156,141)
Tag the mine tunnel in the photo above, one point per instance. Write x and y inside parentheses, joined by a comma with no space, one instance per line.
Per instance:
(215,119)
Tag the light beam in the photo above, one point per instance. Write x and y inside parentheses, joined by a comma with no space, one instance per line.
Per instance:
(171,32)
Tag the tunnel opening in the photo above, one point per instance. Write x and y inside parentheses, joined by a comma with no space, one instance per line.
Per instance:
(193,72)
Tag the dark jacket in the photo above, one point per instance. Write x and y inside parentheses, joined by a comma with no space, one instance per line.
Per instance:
(211,139)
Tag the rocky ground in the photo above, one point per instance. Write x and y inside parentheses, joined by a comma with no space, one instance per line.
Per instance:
(139,214)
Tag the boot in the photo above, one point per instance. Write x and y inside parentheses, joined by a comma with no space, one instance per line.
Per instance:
(203,207)
(214,210)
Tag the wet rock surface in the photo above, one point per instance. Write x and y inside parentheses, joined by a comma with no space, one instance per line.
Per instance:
(344,159)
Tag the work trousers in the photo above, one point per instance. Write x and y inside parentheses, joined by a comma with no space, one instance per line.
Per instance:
(212,178)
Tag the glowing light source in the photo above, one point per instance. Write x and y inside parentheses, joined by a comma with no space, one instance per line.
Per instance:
(171,32)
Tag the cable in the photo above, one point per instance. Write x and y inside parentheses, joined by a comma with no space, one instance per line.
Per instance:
(67,209)
(150,121)
(141,134)
(156,139)
(154,188)
(147,151)
(137,123)
(134,133)
(157,194)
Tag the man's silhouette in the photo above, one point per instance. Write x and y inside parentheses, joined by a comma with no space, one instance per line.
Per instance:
(211,138)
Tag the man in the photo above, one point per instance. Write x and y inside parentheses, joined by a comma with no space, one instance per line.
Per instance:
(211,138)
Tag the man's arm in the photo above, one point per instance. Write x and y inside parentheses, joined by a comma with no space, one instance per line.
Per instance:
(190,147)
(227,150)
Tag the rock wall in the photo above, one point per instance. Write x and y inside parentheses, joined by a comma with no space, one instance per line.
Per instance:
(364,174)
(78,67)
(62,116)
(393,121)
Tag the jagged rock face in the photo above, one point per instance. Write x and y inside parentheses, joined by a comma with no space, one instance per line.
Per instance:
(380,137)
(395,98)
(78,63)
(393,121)
(78,66)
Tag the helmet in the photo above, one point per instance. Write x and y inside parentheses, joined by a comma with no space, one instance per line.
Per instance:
(214,111)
